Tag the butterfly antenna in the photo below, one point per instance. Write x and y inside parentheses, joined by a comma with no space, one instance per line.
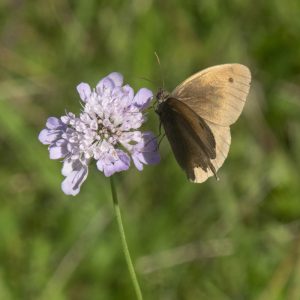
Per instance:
(160,70)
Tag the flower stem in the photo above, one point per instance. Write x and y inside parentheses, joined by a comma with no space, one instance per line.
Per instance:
(124,242)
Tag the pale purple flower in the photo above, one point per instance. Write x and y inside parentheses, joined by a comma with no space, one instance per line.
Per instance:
(107,130)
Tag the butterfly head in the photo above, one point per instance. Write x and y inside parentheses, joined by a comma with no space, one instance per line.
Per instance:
(161,96)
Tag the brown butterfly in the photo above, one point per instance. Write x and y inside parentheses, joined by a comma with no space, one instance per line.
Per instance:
(196,117)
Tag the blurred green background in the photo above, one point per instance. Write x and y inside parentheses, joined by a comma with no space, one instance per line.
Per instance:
(233,239)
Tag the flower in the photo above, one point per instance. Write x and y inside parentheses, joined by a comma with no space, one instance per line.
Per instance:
(106,130)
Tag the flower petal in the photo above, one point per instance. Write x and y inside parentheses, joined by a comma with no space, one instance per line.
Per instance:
(105,83)
(84,91)
(58,150)
(47,136)
(128,92)
(137,162)
(117,78)
(72,183)
(100,165)
(67,167)
(123,163)
(146,152)
(53,123)
(142,98)
(112,164)
(150,158)
(109,170)
(150,141)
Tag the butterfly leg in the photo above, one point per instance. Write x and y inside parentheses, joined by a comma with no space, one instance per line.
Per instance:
(160,140)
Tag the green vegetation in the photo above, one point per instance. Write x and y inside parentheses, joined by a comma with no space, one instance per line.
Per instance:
(233,239)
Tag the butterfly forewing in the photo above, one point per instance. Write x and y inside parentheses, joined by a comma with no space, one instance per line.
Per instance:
(217,94)
(192,141)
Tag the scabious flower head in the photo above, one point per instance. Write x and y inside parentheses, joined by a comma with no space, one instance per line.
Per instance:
(107,131)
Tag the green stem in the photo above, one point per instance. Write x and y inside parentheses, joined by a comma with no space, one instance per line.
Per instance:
(124,242)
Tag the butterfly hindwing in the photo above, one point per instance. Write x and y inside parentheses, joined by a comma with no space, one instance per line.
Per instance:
(223,139)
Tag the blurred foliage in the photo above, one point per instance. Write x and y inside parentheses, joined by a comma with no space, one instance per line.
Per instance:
(233,239)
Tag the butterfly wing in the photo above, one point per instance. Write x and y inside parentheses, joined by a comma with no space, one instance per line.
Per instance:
(192,141)
(217,94)
(223,139)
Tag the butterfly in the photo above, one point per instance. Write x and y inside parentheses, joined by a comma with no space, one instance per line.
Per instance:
(197,115)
